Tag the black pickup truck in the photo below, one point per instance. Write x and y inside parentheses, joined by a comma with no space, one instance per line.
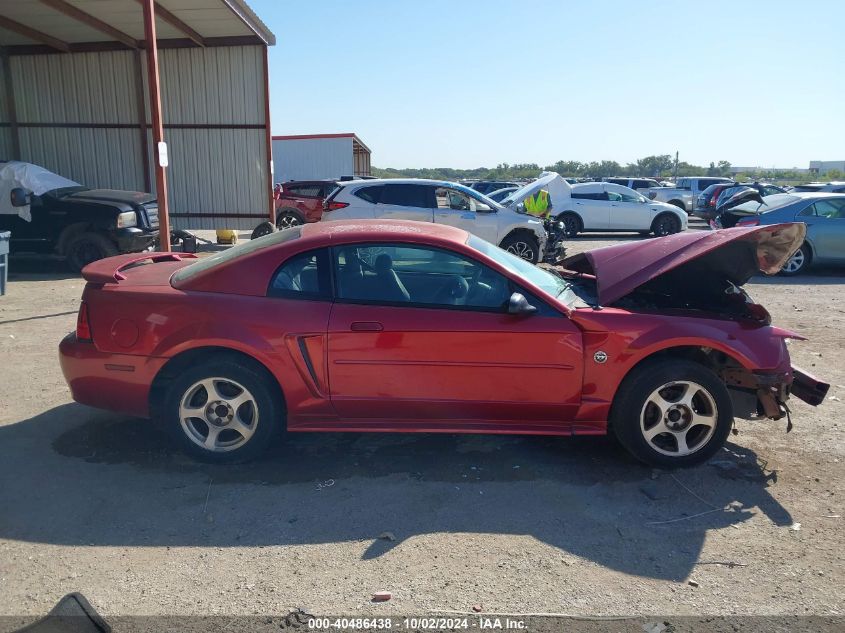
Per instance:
(80,224)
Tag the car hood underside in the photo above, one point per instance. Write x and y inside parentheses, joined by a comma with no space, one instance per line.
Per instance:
(688,259)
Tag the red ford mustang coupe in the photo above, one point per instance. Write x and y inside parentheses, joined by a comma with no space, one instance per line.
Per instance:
(405,326)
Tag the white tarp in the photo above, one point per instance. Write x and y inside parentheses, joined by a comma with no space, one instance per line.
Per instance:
(551,181)
(30,177)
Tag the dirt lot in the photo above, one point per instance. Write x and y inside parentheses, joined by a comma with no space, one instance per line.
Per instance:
(101,504)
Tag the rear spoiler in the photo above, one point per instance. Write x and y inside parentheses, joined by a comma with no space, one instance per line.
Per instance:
(107,271)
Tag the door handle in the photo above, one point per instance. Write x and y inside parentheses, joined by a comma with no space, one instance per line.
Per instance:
(366,326)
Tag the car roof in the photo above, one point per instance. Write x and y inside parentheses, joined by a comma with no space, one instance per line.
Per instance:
(362,230)
(399,181)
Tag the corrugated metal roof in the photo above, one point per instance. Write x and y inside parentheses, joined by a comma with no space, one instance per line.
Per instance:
(53,18)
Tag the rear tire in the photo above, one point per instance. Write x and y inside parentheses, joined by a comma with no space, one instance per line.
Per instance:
(672,413)
(289,217)
(798,263)
(522,245)
(88,247)
(222,411)
(665,224)
(572,224)
(265,228)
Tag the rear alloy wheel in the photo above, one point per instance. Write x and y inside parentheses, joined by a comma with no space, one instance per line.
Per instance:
(571,224)
(798,263)
(665,224)
(524,246)
(86,248)
(672,414)
(287,219)
(222,411)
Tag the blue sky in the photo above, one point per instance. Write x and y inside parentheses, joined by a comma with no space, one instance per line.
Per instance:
(466,83)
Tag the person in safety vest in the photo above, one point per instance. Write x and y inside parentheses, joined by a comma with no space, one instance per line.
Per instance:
(539,205)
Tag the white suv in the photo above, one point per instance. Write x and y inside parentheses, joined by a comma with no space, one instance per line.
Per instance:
(604,206)
(442,203)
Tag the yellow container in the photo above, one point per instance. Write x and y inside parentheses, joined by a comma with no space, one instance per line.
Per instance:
(227,236)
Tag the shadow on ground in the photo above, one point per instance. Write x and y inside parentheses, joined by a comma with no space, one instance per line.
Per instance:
(79,477)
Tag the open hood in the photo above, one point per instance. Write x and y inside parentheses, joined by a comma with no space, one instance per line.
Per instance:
(689,259)
(551,181)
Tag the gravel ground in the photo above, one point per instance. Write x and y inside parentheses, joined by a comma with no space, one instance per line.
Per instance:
(99,503)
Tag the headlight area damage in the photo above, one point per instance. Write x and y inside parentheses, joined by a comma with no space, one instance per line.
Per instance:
(701,273)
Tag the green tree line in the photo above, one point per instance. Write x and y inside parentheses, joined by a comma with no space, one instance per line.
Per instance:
(662,167)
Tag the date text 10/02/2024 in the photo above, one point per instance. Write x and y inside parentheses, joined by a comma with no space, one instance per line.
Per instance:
(422,623)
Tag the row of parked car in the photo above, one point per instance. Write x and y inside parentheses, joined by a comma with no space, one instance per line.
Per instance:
(498,218)
(47,213)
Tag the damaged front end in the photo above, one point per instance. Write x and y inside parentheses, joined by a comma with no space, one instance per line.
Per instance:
(764,395)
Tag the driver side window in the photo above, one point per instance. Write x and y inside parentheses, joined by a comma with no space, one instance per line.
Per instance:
(614,197)
(401,274)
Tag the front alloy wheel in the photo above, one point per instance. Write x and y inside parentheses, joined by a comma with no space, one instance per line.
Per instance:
(671,413)
(678,418)
(523,250)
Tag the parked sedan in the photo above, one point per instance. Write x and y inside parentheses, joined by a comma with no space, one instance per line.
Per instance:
(603,206)
(824,215)
(405,326)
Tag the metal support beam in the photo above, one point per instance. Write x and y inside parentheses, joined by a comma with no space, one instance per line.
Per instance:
(142,119)
(10,106)
(175,22)
(155,119)
(268,138)
(31,33)
(95,23)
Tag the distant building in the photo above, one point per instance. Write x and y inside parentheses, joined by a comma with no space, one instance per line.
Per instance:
(734,170)
(319,157)
(821,167)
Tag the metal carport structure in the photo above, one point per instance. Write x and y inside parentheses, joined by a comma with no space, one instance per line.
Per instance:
(79,95)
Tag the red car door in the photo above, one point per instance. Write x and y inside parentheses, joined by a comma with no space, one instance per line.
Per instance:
(421,337)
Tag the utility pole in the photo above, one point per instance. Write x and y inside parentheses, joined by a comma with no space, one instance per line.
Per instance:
(675,176)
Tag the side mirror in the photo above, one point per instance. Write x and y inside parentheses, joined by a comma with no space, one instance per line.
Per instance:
(19,197)
(518,304)
(480,207)
(520,208)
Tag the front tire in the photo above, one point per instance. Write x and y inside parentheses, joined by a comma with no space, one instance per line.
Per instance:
(672,413)
(522,245)
(223,411)
(798,263)
(88,247)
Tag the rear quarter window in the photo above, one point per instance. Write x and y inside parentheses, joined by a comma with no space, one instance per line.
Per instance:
(368,194)
(221,258)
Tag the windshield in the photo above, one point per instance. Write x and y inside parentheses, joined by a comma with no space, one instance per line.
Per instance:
(546,281)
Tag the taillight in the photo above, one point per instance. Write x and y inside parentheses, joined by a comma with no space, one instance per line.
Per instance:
(333,206)
(83,328)
(749,222)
